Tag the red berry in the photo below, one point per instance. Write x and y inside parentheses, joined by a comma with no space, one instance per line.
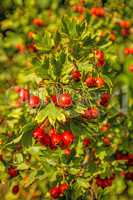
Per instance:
(17,89)
(100,63)
(54,99)
(65,100)
(55,192)
(31,35)
(121,156)
(38,133)
(12,171)
(100,82)
(124,32)
(38,22)
(67,138)
(34,102)
(128,51)
(76,75)
(105,97)
(15,189)
(20,48)
(78,8)
(67,151)
(91,113)
(124,24)
(24,94)
(86,142)
(63,187)
(99,55)
(45,140)
(112,36)
(97,11)
(56,139)
(90,81)
(129,176)
(105,127)
(106,140)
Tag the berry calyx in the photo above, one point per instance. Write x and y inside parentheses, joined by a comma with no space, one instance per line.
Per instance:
(34,102)
(65,100)
(67,138)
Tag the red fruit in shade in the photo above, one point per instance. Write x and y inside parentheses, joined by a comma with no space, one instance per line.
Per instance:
(24,94)
(128,50)
(38,133)
(31,35)
(76,75)
(91,113)
(124,32)
(130,68)
(86,142)
(105,98)
(67,151)
(121,156)
(100,82)
(31,47)
(55,192)
(65,100)
(104,182)
(63,187)
(20,48)
(124,24)
(98,11)
(79,9)
(45,140)
(67,138)
(17,89)
(56,139)
(106,140)
(100,63)
(105,127)
(34,102)
(12,171)
(15,189)
(129,176)
(99,55)
(54,99)
(90,81)
(38,22)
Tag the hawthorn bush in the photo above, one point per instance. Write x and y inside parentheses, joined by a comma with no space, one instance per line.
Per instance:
(66,100)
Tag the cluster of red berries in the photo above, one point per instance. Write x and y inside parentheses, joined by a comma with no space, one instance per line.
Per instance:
(100,58)
(128,157)
(79,9)
(104,182)
(91,113)
(58,191)
(105,98)
(54,139)
(125,25)
(97,11)
(128,50)
(94,81)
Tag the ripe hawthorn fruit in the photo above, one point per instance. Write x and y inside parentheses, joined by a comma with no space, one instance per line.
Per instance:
(55,192)
(76,75)
(15,189)
(86,142)
(24,94)
(38,133)
(67,138)
(38,22)
(34,102)
(64,100)
(12,171)
(90,81)
(100,82)
(105,97)
(97,11)
(99,55)
(91,113)
(106,140)
(63,187)
(56,139)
